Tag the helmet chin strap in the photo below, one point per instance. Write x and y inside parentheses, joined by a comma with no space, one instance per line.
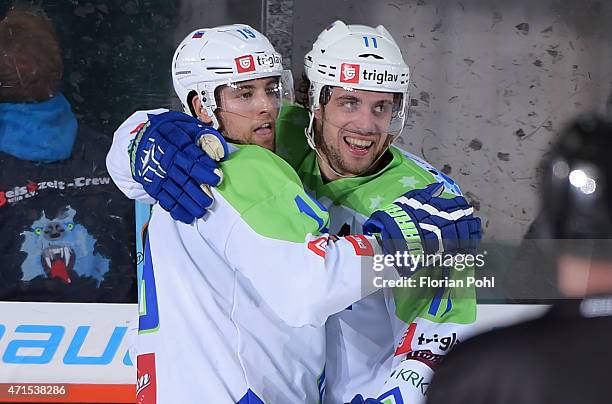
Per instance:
(309,132)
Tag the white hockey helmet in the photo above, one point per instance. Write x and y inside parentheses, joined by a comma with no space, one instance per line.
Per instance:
(357,57)
(213,57)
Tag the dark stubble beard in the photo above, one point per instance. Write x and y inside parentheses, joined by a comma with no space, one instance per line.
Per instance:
(333,157)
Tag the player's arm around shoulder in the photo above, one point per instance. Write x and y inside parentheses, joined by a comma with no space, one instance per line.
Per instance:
(118,158)
(277,238)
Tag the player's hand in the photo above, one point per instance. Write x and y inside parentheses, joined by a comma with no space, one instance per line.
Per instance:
(174,157)
(421,222)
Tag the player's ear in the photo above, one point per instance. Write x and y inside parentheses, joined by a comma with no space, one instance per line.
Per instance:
(200,111)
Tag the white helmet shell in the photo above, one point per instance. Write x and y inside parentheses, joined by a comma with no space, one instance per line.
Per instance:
(356,56)
(213,57)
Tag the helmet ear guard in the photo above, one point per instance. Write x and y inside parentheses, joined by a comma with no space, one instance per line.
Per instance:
(206,92)
(325,95)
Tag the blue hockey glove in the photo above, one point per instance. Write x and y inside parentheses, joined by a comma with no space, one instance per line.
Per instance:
(168,159)
(358,399)
(419,222)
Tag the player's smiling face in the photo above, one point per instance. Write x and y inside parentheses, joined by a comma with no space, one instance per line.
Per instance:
(351,130)
(249,110)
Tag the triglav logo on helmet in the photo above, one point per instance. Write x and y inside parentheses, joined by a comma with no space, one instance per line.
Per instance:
(245,64)
(379,78)
(349,73)
(268,60)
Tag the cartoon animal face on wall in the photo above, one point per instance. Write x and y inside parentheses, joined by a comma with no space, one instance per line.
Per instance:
(57,247)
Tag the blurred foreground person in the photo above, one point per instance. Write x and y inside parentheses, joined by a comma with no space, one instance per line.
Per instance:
(565,356)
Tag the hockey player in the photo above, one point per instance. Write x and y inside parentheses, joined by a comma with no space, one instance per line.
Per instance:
(361,340)
(565,356)
(394,337)
(249,288)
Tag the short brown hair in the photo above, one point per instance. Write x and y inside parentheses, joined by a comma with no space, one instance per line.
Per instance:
(30,56)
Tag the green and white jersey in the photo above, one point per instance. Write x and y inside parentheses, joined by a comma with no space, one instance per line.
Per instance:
(233,306)
(369,342)
(382,346)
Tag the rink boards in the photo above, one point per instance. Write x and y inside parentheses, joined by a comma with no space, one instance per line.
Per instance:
(66,352)
(78,352)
